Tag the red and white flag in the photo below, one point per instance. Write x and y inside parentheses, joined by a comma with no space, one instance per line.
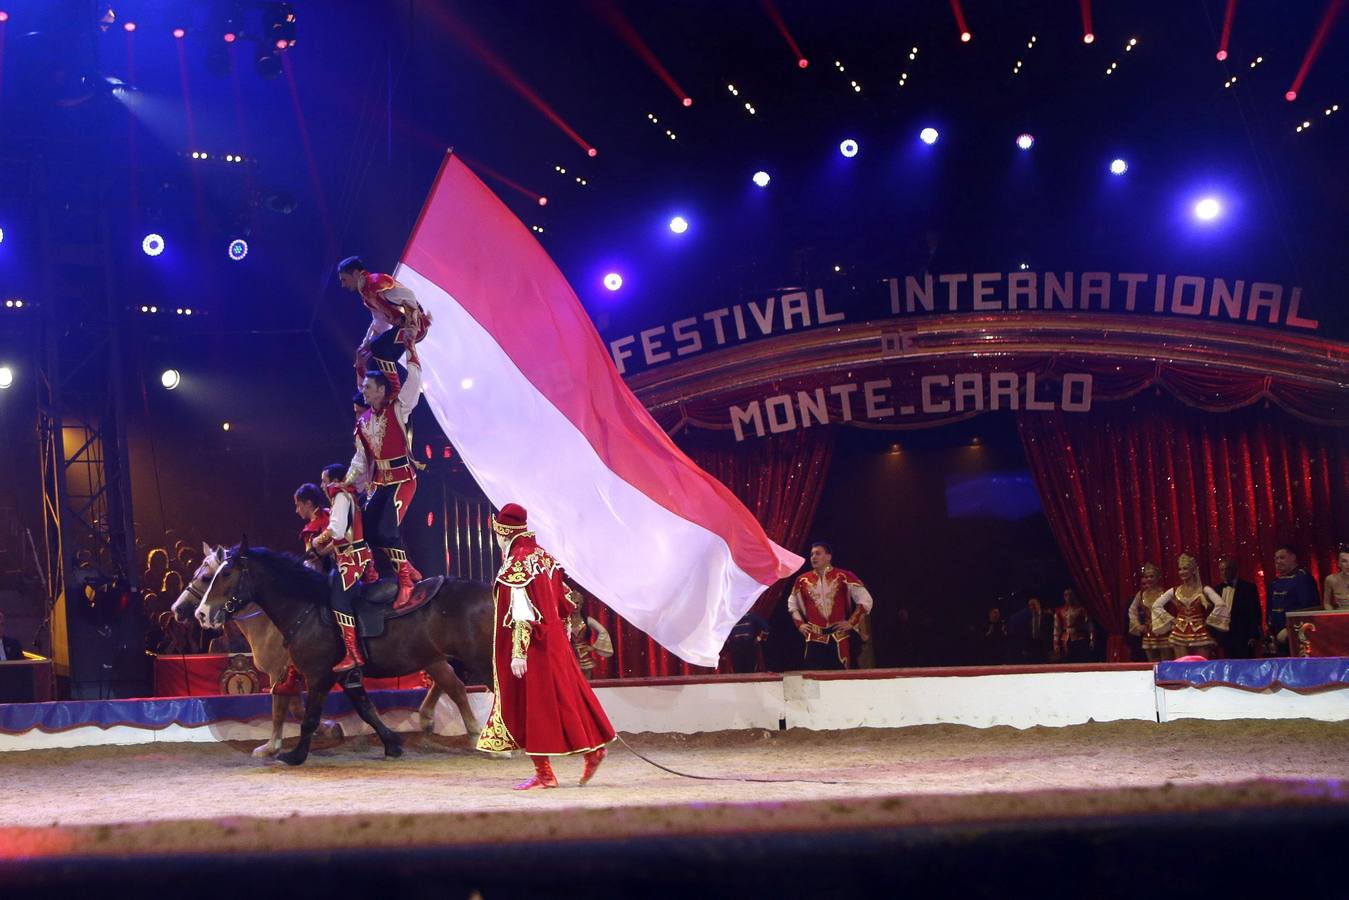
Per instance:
(525,389)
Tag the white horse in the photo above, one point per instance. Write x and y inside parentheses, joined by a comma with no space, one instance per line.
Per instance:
(270,656)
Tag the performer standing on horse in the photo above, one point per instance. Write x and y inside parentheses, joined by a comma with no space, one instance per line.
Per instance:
(382,460)
(542,703)
(345,539)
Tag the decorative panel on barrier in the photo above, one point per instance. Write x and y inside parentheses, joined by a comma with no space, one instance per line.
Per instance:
(1318,633)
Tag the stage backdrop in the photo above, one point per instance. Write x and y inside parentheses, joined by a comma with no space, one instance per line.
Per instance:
(1148,479)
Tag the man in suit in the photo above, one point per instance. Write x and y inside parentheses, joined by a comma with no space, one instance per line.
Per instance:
(1029,633)
(1242,641)
(9,647)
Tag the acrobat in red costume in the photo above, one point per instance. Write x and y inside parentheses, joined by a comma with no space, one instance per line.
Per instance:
(542,703)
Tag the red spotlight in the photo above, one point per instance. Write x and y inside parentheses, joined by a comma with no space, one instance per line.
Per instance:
(179,33)
(129,26)
(543,201)
(688,101)
(776,18)
(592,152)
(802,63)
(282,44)
(1088,33)
(965,37)
(4,16)
(229,37)
(1333,10)
(430,519)
(1228,15)
(1088,38)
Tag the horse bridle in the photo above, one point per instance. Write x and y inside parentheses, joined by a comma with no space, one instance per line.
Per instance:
(201,595)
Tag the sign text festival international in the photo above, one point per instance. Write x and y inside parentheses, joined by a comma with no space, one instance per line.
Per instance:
(1259,303)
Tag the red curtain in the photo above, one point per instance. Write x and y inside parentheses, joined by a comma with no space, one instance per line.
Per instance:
(780,480)
(1148,479)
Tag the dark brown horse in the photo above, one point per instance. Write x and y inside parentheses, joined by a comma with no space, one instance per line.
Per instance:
(455,623)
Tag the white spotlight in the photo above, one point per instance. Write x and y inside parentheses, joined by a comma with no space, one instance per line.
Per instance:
(678,225)
(170,379)
(1118,167)
(848,148)
(6,378)
(761,179)
(1207,209)
(1025,141)
(928,135)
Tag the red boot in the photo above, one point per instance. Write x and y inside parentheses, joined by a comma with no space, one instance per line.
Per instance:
(543,775)
(347,625)
(407,579)
(291,685)
(592,760)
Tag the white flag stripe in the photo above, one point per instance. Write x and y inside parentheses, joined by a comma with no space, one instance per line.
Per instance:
(678,580)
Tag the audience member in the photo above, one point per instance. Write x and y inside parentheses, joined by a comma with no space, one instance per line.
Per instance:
(1242,640)
(1291,589)
(744,647)
(187,560)
(1192,612)
(1156,646)
(1335,593)
(1030,631)
(229,640)
(10,648)
(156,565)
(993,639)
(1074,638)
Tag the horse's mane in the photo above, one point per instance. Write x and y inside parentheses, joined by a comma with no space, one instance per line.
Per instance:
(290,575)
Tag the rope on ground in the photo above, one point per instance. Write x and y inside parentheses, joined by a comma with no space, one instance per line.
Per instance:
(646,759)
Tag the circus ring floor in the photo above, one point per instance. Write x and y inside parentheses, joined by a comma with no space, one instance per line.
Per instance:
(1077,810)
(170,815)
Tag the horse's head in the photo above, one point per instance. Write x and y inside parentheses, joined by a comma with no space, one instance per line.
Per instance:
(201,579)
(230,590)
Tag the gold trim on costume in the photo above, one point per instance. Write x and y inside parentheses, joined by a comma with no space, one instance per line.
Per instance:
(345,620)
(505,530)
(396,555)
(494,737)
(520,635)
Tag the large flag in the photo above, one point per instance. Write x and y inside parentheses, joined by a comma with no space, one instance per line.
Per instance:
(525,389)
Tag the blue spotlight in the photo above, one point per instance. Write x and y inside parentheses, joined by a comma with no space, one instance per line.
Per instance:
(238,249)
(679,225)
(1207,209)
(613,281)
(1025,140)
(848,148)
(928,135)
(153,245)
(1118,167)
(761,179)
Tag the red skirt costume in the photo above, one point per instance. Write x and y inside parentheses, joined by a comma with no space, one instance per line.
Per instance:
(551,711)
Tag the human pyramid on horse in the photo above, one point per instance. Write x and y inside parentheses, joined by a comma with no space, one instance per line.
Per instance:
(399,623)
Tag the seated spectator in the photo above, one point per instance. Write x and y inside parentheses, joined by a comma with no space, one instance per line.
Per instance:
(1291,589)
(189,558)
(156,566)
(172,586)
(229,640)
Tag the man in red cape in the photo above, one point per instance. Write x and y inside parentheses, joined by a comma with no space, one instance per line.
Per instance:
(543,704)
